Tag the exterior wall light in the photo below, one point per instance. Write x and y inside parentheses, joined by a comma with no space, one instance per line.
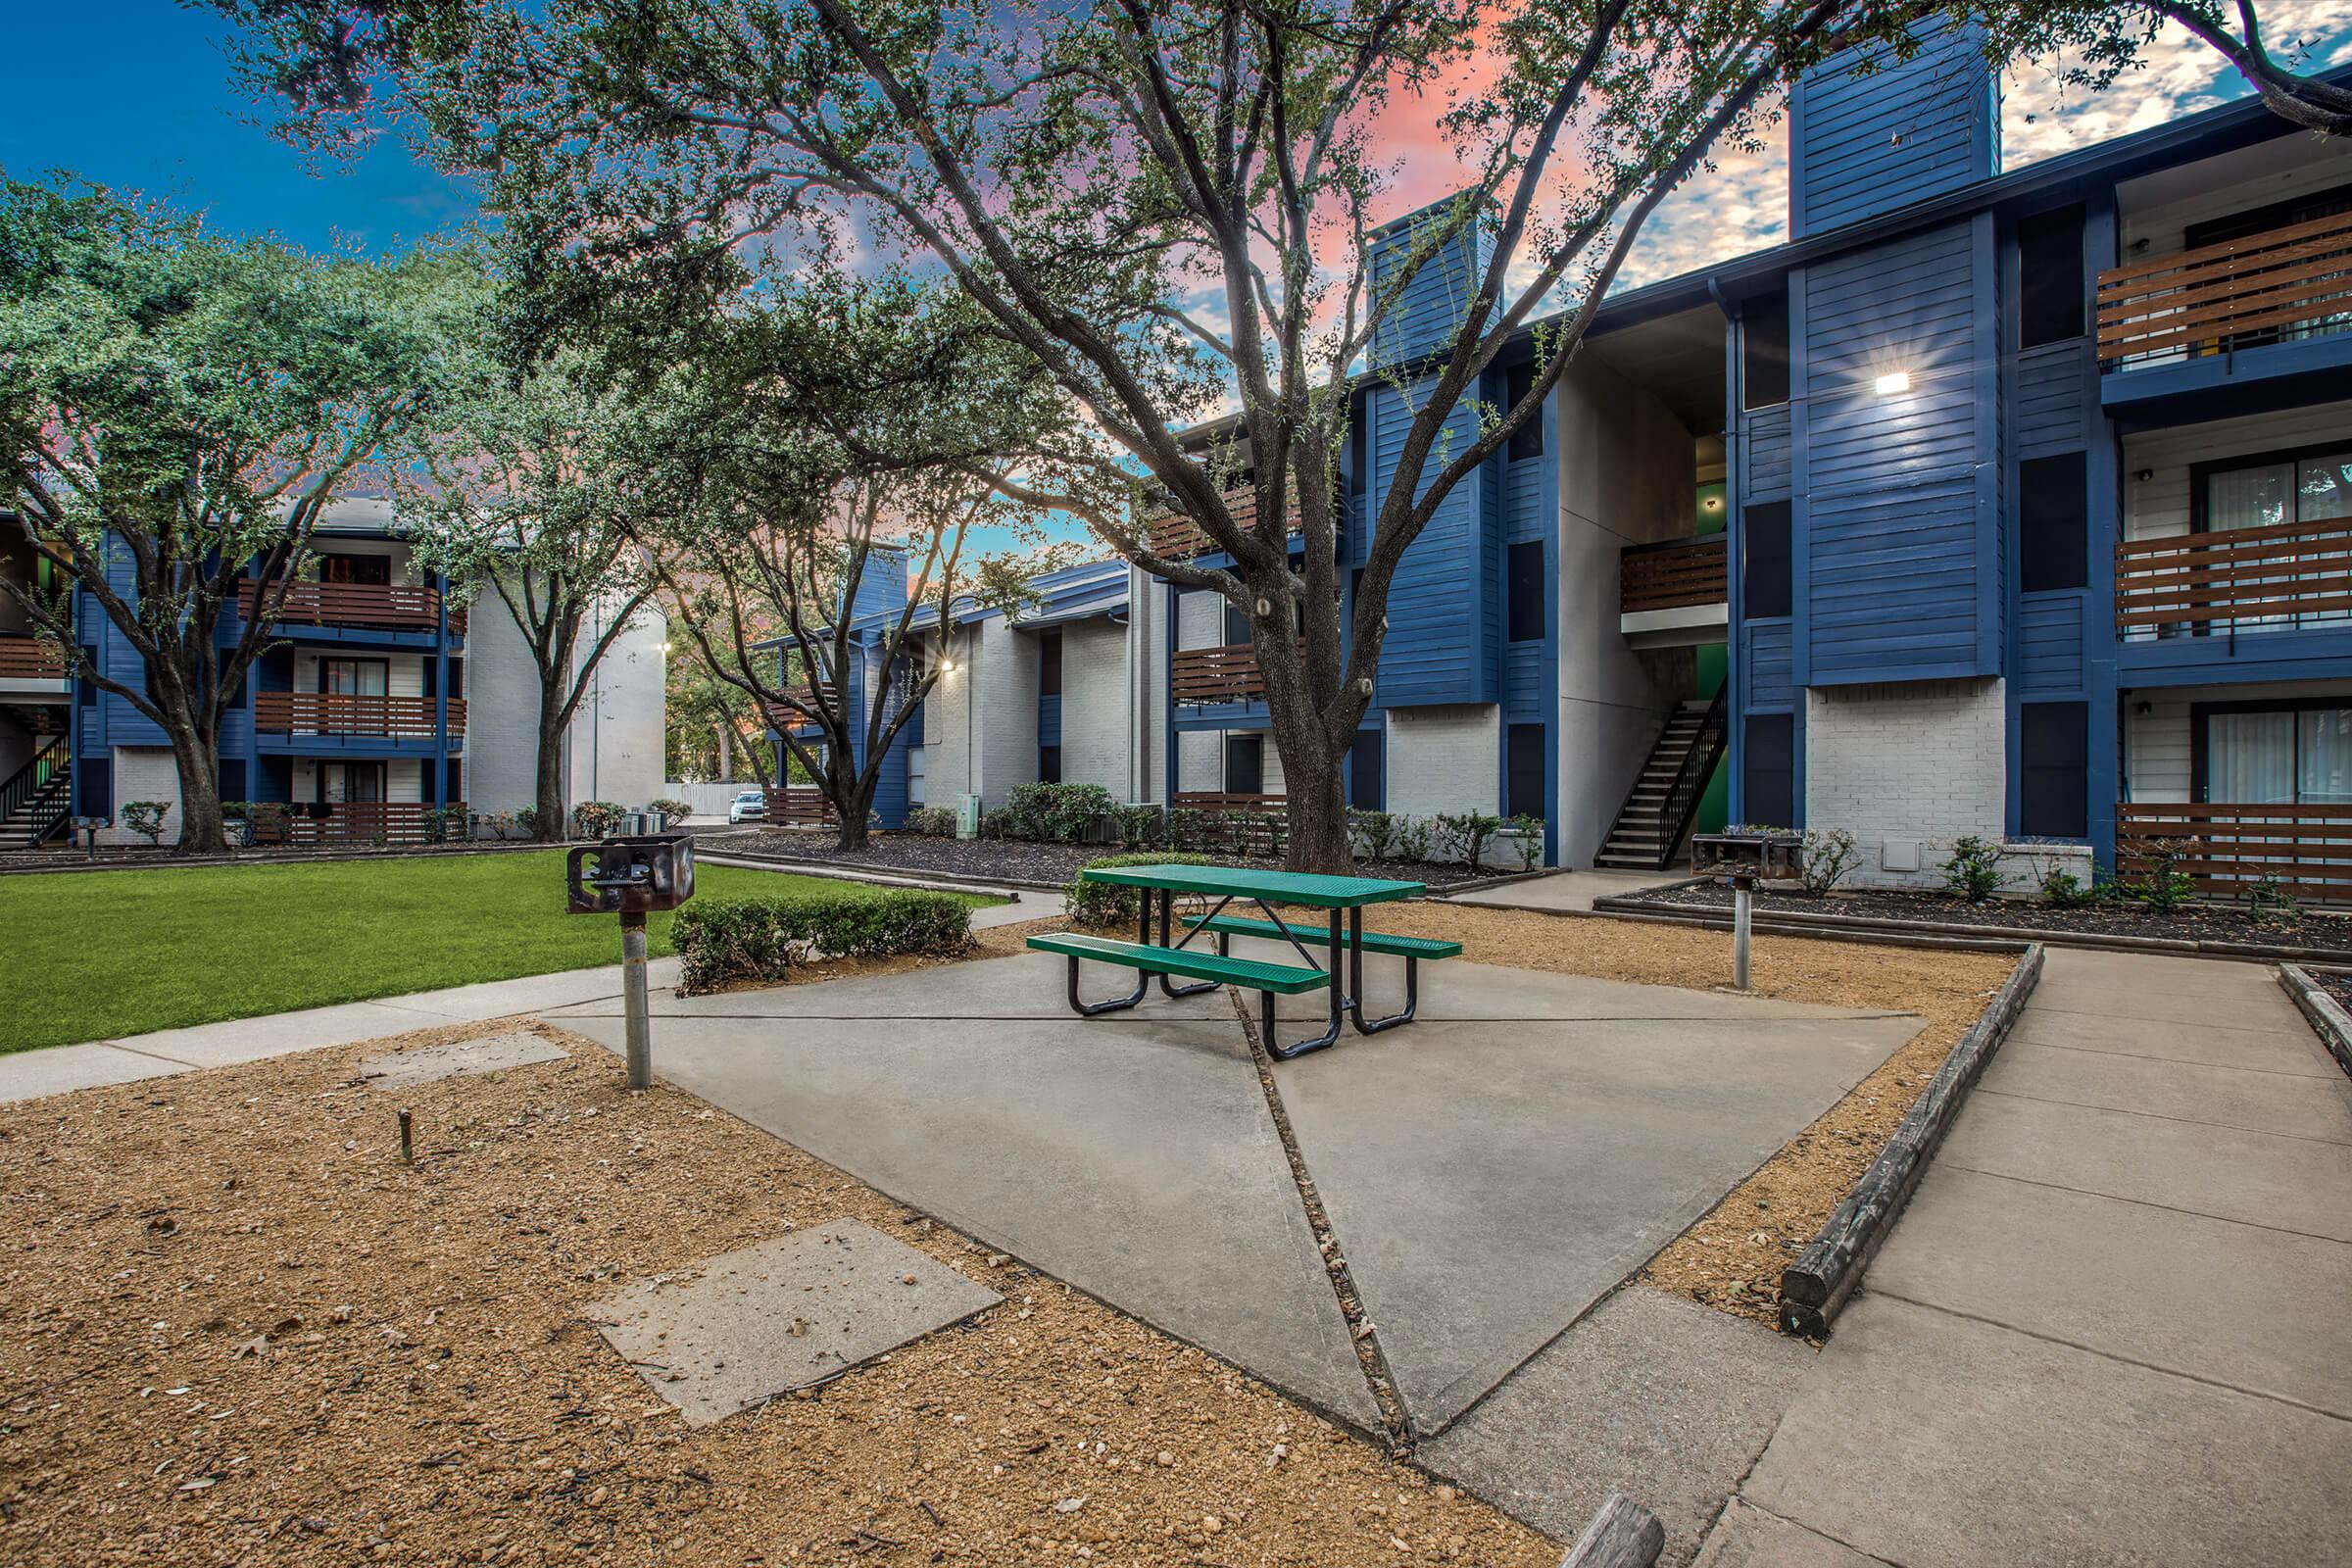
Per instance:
(1894,383)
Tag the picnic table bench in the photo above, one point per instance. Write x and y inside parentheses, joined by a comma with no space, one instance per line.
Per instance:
(1342,936)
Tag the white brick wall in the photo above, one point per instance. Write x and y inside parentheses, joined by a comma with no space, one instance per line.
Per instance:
(144,773)
(1199,620)
(1916,762)
(1095,704)
(1445,759)
(614,749)
(1005,729)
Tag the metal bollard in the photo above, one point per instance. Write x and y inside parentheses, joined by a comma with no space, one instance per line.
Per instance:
(1743,894)
(634,1002)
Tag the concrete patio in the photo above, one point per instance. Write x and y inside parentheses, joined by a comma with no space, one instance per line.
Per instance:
(1490,1175)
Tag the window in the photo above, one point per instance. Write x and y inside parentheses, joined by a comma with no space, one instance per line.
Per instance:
(1764,351)
(1767,770)
(2273,753)
(1048,663)
(1049,765)
(1367,782)
(1528,440)
(1764,561)
(354,678)
(2053,513)
(2261,220)
(914,775)
(1244,764)
(2053,745)
(1237,624)
(2049,277)
(1525,794)
(85,691)
(1527,591)
(372,570)
(350,781)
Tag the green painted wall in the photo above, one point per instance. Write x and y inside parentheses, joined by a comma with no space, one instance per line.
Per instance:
(1714,663)
(1711,508)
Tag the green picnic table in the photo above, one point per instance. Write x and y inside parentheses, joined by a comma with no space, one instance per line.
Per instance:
(1344,936)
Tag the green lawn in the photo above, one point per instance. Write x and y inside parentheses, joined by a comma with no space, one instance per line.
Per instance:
(92,956)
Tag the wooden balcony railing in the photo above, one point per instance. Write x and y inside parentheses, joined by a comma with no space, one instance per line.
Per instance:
(352,823)
(1216,800)
(1179,538)
(338,714)
(1673,575)
(1198,676)
(2294,281)
(359,606)
(799,803)
(2229,848)
(24,658)
(796,707)
(2244,579)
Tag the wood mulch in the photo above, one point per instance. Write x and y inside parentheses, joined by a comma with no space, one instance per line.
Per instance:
(1002,860)
(240,1332)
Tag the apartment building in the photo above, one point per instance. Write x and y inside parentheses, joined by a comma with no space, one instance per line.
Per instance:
(2008,504)
(379,701)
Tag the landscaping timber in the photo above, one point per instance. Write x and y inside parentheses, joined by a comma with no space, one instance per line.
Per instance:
(1824,1276)
(2327,1018)
(1623,1535)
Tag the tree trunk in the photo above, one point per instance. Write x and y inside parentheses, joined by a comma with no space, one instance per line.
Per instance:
(1315,810)
(725,734)
(854,798)
(552,824)
(196,756)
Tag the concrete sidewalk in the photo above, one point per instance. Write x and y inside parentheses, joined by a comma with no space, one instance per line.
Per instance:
(61,1069)
(1566,890)
(2109,1329)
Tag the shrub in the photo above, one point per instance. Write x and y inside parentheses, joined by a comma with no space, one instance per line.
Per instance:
(1974,872)
(1375,832)
(596,819)
(1139,824)
(1463,835)
(932,821)
(2161,886)
(997,825)
(146,818)
(1059,813)
(1529,843)
(445,824)
(2269,902)
(721,941)
(526,818)
(1105,904)
(1828,857)
(2062,889)
(673,811)
(1191,828)
(1413,838)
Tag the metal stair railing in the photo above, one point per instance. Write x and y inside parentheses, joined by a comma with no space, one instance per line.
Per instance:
(30,789)
(1690,779)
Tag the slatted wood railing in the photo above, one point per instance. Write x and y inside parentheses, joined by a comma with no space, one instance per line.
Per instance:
(1228,674)
(354,822)
(30,659)
(2282,576)
(1674,576)
(2228,849)
(361,606)
(1179,538)
(799,803)
(2237,294)
(344,714)
(797,707)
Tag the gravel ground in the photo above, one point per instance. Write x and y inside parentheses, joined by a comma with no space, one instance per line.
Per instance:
(1007,858)
(243,1333)
(2197,922)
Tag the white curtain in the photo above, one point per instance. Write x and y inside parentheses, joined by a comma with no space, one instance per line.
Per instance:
(2324,767)
(2250,758)
(2252,498)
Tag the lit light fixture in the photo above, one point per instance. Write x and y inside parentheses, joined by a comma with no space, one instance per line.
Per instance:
(1894,383)
(947,667)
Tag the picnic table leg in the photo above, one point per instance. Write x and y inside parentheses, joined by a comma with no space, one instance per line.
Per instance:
(1167,911)
(1355,981)
(1143,981)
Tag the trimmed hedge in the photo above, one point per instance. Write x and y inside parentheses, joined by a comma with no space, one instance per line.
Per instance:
(1106,903)
(722,940)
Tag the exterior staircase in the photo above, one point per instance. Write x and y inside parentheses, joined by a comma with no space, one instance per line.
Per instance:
(34,800)
(1665,798)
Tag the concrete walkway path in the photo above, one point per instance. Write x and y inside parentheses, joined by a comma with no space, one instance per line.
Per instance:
(1567,891)
(61,1069)
(2110,1328)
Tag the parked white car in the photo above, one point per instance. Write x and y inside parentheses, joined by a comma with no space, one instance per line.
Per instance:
(749,806)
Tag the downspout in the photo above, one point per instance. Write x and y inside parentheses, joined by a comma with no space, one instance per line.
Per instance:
(1735,716)
(440,690)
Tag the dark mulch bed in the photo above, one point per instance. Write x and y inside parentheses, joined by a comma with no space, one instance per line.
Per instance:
(2337,983)
(1005,859)
(2196,922)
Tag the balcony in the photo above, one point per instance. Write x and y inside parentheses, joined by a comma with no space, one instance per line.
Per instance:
(351,823)
(2228,849)
(1177,538)
(800,806)
(1674,592)
(2259,309)
(797,709)
(354,606)
(25,657)
(343,717)
(2288,577)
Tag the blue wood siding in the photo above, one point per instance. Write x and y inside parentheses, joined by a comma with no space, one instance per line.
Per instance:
(1432,305)
(1444,615)
(2049,641)
(1765,669)
(1766,473)
(1870,141)
(1899,502)
(1049,719)
(2052,394)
